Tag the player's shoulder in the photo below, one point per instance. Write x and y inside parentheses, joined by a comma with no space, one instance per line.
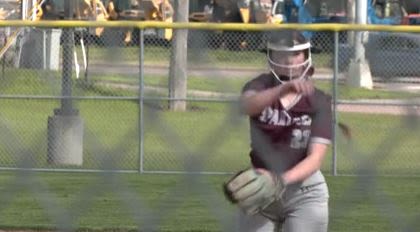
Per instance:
(318,93)
(260,82)
(320,98)
(263,77)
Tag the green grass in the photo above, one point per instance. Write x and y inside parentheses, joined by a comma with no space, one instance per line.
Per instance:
(171,138)
(209,136)
(185,203)
(384,142)
(205,132)
(159,55)
(234,86)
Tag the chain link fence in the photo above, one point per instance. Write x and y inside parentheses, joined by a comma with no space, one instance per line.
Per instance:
(97,83)
(72,101)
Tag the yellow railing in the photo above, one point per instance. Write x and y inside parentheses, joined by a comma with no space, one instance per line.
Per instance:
(211,26)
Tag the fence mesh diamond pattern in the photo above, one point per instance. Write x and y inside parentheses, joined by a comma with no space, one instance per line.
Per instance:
(74,102)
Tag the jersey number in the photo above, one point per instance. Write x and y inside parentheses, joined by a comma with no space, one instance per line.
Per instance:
(300,138)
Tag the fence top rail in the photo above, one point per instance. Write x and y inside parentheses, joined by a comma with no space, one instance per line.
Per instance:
(210,26)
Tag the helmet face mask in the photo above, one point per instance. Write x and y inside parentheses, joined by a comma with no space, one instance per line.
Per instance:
(289,56)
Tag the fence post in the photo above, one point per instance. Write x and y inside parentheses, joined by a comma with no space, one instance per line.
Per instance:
(141,100)
(3,58)
(334,110)
(87,55)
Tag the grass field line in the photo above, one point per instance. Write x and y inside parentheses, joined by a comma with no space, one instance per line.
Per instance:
(163,91)
(407,84)
(195,70)
(390,107)
(383,109)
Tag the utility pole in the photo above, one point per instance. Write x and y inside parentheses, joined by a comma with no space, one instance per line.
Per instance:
(68,46)
(351,16)
(359,72)
(65,127)
(178,67)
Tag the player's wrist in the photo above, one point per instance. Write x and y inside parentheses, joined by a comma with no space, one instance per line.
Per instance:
(278,179)
(284,89)
(280,185)
(283,180)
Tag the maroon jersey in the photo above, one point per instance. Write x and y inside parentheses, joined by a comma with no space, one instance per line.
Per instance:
(280,136)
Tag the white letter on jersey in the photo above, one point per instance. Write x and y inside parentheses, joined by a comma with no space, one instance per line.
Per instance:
(285,119)
(274,117)
(266,114)
(303,120)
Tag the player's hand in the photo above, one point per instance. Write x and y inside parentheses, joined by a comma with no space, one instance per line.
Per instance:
(304,87)
(254,189)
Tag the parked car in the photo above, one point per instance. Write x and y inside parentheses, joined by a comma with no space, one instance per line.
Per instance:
(388,54)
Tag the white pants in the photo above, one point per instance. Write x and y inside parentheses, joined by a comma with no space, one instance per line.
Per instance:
(302,209)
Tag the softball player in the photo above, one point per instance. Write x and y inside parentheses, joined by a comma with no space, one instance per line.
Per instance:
(291,127)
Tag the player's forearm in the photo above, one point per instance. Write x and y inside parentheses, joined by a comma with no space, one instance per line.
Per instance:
(307,166)
(301,171)
(254,103)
